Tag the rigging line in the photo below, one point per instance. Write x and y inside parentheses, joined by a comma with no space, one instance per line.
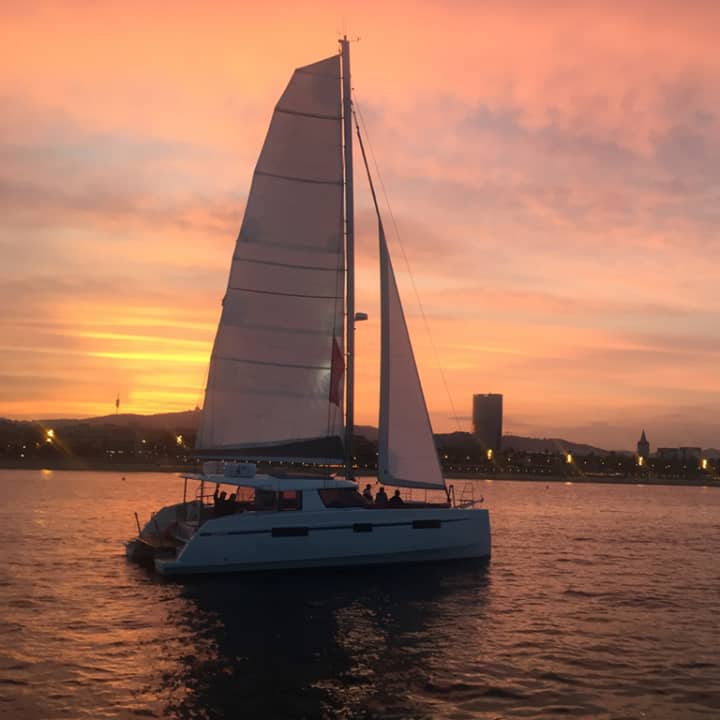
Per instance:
(277,293)
(314,116)
(292,178)
(286,265)
(356,105)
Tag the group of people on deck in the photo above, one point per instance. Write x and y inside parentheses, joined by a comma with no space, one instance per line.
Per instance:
(381,499)
(222,504)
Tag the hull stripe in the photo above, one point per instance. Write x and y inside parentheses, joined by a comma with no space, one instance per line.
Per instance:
(366,527)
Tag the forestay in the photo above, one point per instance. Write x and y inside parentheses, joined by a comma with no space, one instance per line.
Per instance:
(406,450)
(277,363)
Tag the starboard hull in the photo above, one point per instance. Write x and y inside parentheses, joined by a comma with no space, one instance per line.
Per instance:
(339,538)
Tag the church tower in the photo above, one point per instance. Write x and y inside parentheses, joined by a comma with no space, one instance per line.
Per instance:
(643,446)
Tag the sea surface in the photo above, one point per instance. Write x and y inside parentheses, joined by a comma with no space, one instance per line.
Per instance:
(600,601)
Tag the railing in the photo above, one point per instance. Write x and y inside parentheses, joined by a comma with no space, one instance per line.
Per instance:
(467,496)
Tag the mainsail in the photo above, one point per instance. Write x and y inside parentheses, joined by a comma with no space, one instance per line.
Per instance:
(407,456)
(275,384)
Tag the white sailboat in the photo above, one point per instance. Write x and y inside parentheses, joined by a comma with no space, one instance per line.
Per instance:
(278,388)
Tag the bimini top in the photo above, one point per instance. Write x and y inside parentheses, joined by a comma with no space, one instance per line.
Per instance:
(275,483)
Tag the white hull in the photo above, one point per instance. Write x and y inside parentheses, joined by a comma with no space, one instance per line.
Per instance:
(331,537)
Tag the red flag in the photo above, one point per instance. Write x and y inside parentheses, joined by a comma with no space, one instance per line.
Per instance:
(337,368)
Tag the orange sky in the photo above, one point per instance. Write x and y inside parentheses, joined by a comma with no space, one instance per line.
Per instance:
(553,168)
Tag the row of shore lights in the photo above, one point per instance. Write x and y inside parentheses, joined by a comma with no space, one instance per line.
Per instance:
(703,462)
(640,461)
(50,436)
(569,459)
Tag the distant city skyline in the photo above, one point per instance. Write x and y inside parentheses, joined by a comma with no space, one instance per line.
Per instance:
(623,447)
(555,188)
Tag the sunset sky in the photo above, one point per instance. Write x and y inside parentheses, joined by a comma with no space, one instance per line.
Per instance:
(553,169)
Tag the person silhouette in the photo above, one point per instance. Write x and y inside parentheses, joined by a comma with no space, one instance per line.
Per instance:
(381,498)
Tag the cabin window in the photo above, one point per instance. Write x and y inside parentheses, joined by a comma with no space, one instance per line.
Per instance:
(244,494)
(265,500)
(289,532)
(342,498)
(290,500)
(426,524)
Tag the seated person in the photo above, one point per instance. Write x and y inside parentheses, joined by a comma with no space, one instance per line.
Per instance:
(367,493)
(220,502)
(381,499)
(395,500)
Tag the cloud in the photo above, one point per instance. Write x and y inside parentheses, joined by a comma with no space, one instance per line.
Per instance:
(57,172)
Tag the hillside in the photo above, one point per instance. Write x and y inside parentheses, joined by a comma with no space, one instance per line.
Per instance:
(550,445)
(466,442)
(189,420)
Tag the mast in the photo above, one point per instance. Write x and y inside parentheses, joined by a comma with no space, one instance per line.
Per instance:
(349,257)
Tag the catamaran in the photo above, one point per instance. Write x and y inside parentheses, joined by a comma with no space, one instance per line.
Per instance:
(280,386)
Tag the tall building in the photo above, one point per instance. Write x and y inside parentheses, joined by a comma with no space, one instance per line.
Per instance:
(487,420)
(643,446)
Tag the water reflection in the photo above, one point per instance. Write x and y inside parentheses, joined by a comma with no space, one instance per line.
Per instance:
(333,643)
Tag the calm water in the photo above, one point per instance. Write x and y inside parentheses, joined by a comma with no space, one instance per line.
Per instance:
(601,601)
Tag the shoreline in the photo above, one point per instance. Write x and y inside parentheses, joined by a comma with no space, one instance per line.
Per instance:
(170,467)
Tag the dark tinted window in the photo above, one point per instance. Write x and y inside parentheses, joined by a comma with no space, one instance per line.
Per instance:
(426,524)
(265,500)
(289,532)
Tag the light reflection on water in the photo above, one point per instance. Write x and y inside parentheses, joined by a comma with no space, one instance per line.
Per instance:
(600,601)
